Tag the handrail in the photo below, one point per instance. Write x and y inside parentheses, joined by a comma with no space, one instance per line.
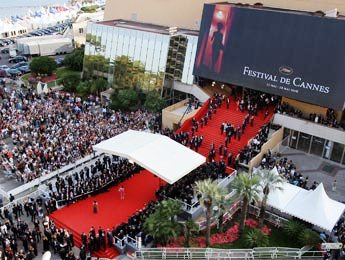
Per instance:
(228,179)
(188,109)
(213,253)
(223,183)
(39,180)
(131,240)
(20,200)
(119,242)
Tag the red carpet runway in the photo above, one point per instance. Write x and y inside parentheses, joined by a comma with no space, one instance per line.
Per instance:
(78,218)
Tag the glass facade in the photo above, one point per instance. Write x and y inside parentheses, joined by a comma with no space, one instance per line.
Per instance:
(130,57)
(315,145)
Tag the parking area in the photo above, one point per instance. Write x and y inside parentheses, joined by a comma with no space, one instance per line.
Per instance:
(14,64)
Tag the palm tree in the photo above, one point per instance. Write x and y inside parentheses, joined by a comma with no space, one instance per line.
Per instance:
(162,224)
(246,188)
(190,227)
(211,195)
(270,181)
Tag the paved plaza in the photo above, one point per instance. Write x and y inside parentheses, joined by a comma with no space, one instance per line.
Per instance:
(319,170)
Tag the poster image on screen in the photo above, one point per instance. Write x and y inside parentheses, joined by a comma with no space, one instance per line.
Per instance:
(283,53)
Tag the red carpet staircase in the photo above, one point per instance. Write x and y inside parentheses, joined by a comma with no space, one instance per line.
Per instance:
(211,132)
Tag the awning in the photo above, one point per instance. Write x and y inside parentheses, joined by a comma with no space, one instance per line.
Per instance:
(157,153)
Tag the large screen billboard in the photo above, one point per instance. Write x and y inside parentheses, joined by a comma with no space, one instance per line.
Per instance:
(284,53)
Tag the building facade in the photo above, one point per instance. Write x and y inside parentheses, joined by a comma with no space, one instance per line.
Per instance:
(143,56)
(187,13)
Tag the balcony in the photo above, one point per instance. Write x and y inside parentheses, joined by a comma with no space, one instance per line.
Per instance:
(311,128)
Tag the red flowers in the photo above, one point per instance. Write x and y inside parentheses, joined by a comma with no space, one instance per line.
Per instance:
(251,223)
(229,236)
(266,230)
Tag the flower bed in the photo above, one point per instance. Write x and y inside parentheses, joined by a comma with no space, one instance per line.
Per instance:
(229,236)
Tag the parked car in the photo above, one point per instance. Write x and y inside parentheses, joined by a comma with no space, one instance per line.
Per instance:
(4,67)
(17,59)
(24,69)
(3,74)
(7,41)
(14,72)
(59,61)
(5,50)
(20,64)
(13,53)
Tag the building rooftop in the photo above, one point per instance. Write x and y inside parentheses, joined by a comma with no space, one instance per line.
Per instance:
(329,14)
(148,27)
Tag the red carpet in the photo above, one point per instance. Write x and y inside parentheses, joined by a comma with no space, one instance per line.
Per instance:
(79,217)
(211,132)
(141,188)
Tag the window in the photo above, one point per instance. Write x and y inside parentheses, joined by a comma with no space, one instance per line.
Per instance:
(81,30)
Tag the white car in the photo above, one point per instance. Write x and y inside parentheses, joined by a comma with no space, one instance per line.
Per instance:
(4,67)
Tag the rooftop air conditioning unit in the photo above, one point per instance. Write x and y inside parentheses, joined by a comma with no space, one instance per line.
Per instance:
(172,31)
(332,13)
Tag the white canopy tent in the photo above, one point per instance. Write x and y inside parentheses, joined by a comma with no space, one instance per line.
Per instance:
(157,153)
(279,199)
(312,206)
(316,207)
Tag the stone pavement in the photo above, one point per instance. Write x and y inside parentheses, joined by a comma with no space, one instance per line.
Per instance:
(319,170)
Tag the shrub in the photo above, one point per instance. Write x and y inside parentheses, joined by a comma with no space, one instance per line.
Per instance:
(255,238)
(43,65)
(293,228)
(309,237)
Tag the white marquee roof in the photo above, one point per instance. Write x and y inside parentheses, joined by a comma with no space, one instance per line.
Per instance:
(312,206)
(279,199)
(317,208)
(157,153)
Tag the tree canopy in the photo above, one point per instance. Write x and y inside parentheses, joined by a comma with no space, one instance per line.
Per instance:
(75,59)
(154,102)
(162,224)
(43,65)
(246,188)
(125,100)
(211,195)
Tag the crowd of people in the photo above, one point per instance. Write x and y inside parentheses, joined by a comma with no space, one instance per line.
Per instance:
(184,189)
(329,119)
(42,133)
(287,169)
(254,146)
(52,130)
(102,175)
(24,228)
(134,226)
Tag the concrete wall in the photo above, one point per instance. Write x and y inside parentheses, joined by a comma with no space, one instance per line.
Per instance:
(194,90)
(187,13)
(276,138)
(169,118)
(307,108)
(329,133)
